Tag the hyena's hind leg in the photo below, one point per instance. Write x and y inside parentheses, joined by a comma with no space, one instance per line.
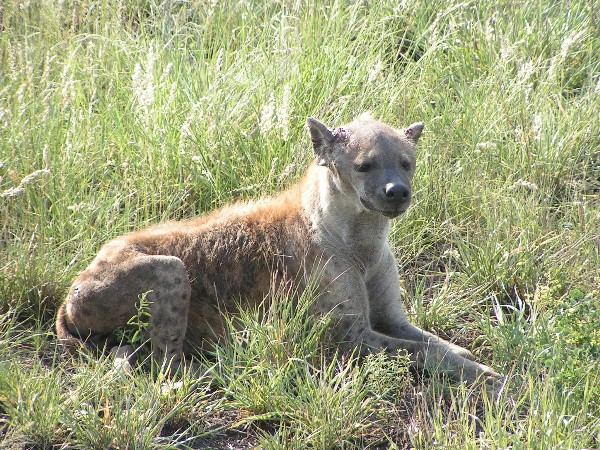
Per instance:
(103,298)
(169,305)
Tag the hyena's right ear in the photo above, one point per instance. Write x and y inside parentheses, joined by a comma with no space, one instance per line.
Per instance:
(413,132)
(322,140)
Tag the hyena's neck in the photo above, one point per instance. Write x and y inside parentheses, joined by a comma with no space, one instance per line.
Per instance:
(336,214)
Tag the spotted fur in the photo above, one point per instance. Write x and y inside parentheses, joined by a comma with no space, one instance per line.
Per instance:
(336,220)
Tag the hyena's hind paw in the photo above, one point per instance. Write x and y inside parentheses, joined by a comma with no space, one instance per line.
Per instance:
(125,357)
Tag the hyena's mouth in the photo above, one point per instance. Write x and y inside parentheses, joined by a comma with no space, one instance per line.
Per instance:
(390,213)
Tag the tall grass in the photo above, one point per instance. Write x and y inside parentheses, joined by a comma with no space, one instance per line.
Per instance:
(117,114)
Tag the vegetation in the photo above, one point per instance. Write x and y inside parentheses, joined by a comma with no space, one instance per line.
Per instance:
(117,114)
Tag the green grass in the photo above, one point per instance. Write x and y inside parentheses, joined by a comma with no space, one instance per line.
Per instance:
(143,111)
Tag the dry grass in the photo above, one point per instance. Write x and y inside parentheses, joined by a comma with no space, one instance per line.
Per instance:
(115,114)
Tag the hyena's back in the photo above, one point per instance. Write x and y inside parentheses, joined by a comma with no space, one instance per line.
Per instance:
(204,267)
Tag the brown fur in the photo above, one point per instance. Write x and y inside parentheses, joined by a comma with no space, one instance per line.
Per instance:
(229,254)
(196,271)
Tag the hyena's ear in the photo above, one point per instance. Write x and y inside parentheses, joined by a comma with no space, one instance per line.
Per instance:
(413,132)
(322,140)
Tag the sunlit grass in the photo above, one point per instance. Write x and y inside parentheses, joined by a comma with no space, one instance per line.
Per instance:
(117,114)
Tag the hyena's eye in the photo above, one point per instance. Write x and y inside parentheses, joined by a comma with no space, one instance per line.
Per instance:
(405,165)
(363,167)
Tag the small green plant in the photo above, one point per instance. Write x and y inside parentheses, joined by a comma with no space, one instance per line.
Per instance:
(135,332)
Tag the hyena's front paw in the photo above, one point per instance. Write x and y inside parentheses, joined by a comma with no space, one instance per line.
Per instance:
(461,351)
(492,380)
(475,373)
(494,384)
(457,349)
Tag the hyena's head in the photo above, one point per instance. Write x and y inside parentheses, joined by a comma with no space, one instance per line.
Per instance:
(370,160)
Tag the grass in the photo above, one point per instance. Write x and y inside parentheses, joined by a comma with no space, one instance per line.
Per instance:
(143,111)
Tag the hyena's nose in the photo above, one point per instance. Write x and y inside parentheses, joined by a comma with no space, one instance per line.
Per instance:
(396,192)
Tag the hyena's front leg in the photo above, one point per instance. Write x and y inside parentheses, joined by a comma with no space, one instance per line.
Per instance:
(430,356)
(387,311)
(353,329)
(351,316)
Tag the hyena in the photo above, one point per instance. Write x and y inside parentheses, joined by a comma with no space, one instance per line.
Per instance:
(196,271)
